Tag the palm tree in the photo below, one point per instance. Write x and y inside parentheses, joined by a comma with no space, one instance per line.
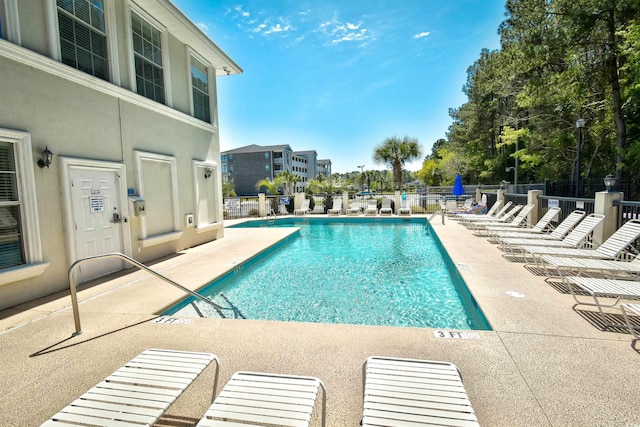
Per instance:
(289,180)
(273,187)
(396,152)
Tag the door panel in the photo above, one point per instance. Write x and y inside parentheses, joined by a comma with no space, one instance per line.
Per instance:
(95,201)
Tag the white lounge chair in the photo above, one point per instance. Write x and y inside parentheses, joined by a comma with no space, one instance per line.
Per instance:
(372,207)
(493,210)
(385,208)
(557,233)
(562,267)
(256,398)
(542,224)
(610,249)
(318,208)
(354,208)
(336,209)
(496,215)
(410,392)
(518,221)
(597,289)
(404,211)
(504,217)
(575,238)
(304,209)
(627,309)
(139,392)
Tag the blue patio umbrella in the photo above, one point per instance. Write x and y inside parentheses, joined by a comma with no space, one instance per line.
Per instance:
(458,189)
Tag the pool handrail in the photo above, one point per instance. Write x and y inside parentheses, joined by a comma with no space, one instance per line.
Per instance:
(74,297)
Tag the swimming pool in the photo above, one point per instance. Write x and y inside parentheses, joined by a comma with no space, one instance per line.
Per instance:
(390,271)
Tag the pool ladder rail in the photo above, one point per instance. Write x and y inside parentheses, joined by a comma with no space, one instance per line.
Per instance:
(271,215)
(74,296)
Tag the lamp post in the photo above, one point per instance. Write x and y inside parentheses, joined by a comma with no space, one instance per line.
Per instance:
(579,124)
(361,177)
(610,182)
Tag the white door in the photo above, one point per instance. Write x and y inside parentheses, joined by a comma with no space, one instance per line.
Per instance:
(97,219)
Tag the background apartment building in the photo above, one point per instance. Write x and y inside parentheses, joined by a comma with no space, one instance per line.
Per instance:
(245,166)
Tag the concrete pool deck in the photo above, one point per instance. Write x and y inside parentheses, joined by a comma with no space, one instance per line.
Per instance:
(543,364)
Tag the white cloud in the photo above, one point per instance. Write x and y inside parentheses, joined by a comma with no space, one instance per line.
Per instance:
(202,26)
(278,29)
(259,28)
(340,32)
(421,35)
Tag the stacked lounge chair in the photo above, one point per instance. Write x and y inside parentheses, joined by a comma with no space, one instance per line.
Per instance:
(575,238)
(540,227)
(519,220)
(557,233)
(611,249)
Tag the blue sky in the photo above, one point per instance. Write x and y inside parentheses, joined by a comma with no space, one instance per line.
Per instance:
(340,76)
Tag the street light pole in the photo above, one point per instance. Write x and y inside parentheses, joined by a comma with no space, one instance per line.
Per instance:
(361,177)
(579,124)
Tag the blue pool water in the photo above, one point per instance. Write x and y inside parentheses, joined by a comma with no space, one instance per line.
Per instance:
(392,273)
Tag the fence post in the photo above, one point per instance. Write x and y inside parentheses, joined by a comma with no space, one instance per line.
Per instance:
(500,195)
(532,199)
(297,201)
(262,211)
(604,205)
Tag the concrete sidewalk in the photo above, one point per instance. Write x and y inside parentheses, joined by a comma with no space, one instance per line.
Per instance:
(543,364)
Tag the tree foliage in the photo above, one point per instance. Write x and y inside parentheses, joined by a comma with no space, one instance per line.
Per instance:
(559,60)
(396,152)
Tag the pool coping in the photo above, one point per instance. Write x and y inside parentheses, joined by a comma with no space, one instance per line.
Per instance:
(543,364)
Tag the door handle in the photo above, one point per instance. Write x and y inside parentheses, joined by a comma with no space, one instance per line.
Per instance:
(116,218)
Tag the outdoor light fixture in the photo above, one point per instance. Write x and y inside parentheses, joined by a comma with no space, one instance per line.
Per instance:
(610,182)
(207,173)
(47,156)
(579,124)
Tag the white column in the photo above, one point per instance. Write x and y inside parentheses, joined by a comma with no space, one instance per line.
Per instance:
(604,206)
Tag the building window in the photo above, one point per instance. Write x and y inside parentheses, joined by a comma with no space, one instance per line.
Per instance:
(266,168)
(11,251)
(266,156)
(147,52)
(224,168)
(83,40)
(20,245)
(224,157)
(200,90)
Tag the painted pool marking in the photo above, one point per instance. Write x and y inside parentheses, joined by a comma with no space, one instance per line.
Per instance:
(172,320)
(457,335)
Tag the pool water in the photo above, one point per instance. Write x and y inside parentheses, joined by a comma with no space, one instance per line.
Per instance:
(392,273)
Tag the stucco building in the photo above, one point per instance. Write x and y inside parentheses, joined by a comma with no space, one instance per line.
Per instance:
(108,138)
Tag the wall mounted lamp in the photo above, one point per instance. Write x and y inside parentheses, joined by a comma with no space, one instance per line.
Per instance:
(47,156)
(207,173)
(610,182)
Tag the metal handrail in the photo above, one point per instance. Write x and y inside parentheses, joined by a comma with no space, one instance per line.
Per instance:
(74,297)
